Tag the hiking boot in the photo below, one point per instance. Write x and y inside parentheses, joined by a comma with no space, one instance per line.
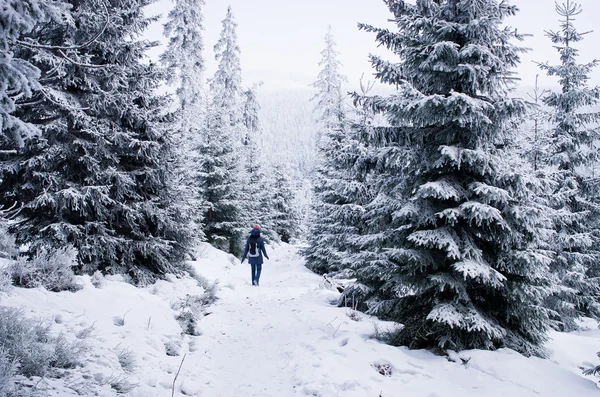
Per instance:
(253,282)
(257,283)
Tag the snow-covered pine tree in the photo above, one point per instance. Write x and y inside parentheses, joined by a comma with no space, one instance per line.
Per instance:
(96,177)
(226,86)
(220,151)
(329,109)
(536,139)
(284,212)
(19,78)
(464,272)
(256,189)
(321,255)
(185,67)
(577,211)
(341,194)
(183,58)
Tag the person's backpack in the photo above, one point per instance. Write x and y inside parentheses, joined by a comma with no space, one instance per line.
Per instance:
(254,251)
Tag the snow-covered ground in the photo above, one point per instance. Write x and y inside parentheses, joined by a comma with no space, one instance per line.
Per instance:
(281,339)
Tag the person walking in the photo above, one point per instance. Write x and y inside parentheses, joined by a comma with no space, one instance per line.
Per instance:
(255,249)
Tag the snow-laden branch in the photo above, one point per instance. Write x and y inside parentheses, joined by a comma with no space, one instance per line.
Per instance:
(33,44)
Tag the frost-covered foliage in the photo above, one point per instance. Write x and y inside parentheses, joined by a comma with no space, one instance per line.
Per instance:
(573,198)
(96,177)
(51,269)
(341,193)
(8,370)
(127,360)
(220,164)
(323,255)
(31,344)
(19,77)
(183,57)
(594,371)
(329,108)
(191,309)
(284,212)
(185,67)
(5,278)
(8,251)
(536,141)
(459,266)
(8,245)
(255,187)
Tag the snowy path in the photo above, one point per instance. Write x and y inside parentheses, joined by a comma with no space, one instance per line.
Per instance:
(254,328)
(285,339)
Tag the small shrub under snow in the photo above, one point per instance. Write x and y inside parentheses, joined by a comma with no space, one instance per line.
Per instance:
(193,307)
(118,382)
(52,269)
(8,246)
(173,348)
(8,370)
(31,344)
(97,279)
(127,360)
(5,279)
(383,368)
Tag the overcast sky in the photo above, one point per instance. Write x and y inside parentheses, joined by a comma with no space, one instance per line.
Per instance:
(281,40)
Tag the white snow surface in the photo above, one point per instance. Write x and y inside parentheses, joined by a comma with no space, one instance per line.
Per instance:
(281,339)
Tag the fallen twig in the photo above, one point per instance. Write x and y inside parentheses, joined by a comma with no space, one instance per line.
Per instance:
(177,374)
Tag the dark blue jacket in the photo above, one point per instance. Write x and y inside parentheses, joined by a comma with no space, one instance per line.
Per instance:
(260,246)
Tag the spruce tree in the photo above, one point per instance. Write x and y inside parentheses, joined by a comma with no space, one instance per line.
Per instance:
(184,62)
(284,212)
(321,255)
(255,187)
(577,214)
(220,161)
(330,102)
(341,193)
(461,270)
(96,178)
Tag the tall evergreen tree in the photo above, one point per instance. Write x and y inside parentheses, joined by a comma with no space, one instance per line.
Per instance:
(255,187)
(183,58)
(577,216)
(463,270)
(220,162)
(226,86)
(330,102)
(321,256)
(341,195)
(284,213)
(185,67)
(96,179)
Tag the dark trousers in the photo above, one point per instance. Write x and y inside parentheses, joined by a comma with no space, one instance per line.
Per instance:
(256,269)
